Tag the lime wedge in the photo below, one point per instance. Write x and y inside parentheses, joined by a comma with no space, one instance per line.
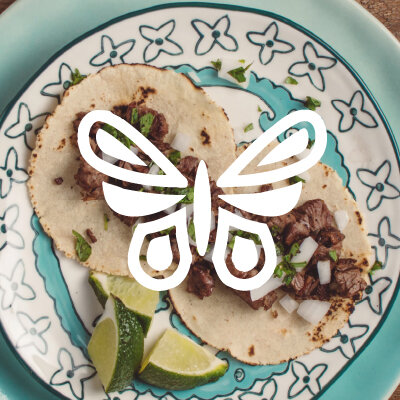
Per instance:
(178,363)
(116,346)
(140,300)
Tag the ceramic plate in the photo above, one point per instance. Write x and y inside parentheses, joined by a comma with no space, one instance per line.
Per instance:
(47,309)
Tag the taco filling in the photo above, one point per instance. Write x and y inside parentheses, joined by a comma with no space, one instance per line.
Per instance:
(309,226)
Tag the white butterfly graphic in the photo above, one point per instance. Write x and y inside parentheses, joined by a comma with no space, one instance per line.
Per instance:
(140,203)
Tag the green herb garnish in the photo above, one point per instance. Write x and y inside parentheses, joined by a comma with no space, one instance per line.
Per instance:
(299,264)
(167,231)
(333,255)
(105,222)
(188,192)
(312,103)
(134,116)
(238,73)
(76,77)
(145,123)
(118,135)
(82,247)
(248,127)
(191,230)
(242,60)
(279,249)
(217,64)
(275,230)
(175,157)
(376,267)
(259,109)
(310,143)
(294,249)
(295,179)
(246,235)
(142,257)
(291,81)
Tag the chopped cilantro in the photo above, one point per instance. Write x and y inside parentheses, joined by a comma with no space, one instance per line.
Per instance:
(291,81)
(118,135)
(191,230)
(167,231)
(82,247)
(310,143)
(259,109)
(295,179)
(377,266)
(246,235)
(76,77)
(248,127)
(142,257)
(294,249)
(333,255)
(278,272)
(279,249)
(106,222)
(217,64)
(288,279)
(242,60)
(175,157)
(238,73)
(299,264)
(145,123)
(188,192)
(231,244)
(275,230)
(312,103)
(134,116)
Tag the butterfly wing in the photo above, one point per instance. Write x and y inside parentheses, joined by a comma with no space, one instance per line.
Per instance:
(124,201)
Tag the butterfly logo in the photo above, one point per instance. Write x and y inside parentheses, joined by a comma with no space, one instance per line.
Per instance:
(270,203)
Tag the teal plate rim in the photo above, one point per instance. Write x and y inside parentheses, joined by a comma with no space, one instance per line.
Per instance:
(231,7)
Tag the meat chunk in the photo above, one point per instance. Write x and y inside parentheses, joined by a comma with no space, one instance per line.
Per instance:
(200,281)
(90,181)
(266,302)
(304,285)
(329,237)
(188,167)
(311,218)
(348,278)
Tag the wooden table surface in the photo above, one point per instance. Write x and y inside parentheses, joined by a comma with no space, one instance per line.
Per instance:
(387,11)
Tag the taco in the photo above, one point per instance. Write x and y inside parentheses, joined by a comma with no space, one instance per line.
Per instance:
(264,329)
(67,193)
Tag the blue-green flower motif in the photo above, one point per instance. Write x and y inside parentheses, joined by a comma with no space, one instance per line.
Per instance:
(269,43)
(111,53)
(10,173)
(210,35)
(306,379)
(8,235)
(312,66)
(15,286)
(163,303)
(34,330)
(26,126)
(159,41)
(353,112)
(373,294)
(267,392)
(383,241)
(379,183)
(72,375)
(56,89)
(344,340)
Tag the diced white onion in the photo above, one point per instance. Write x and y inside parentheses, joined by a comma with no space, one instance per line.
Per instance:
(134,150)
(305,153)
(324,272)
(189,213)
(181,142)
(108,158)
(238,213)
(342,219)
(306,251)
(209,254)
(154,171)
(289,304)
(313,310)
(191,241)
(170,210)
(258,248)
(212,225)
(271,284)
(305,175)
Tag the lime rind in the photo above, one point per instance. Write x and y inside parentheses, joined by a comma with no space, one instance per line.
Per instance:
(140,300)
(198,366)
(117,370)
